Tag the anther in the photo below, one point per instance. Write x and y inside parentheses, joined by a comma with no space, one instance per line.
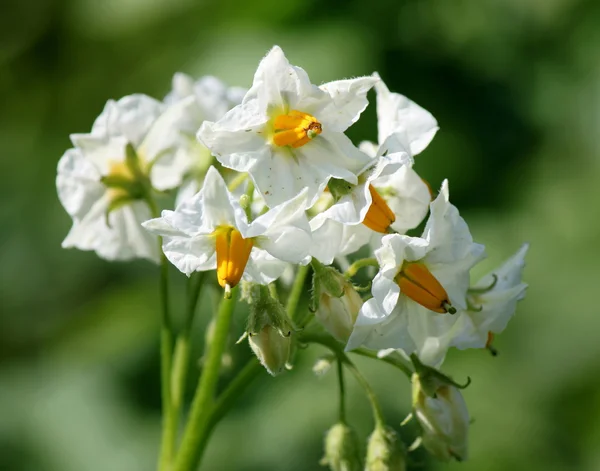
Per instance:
(295,129)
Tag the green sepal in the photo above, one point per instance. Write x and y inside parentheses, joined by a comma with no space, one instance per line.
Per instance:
(339,188)
(329,279)
(115,204)
(431,379)
(265,310)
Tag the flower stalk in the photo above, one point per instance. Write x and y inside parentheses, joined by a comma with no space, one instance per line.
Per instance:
(189,454)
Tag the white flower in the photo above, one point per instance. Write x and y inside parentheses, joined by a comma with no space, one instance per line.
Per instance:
(421,281)
(333,239)
(208,99)
(288,133)
(358,204)
(396,113)
(211,230)
(492,302)
(212,96)
(103,189)
(402,126)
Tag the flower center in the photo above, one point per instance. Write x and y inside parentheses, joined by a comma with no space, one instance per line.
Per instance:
(233,252)
(295,129)
(416,281)
(379,217)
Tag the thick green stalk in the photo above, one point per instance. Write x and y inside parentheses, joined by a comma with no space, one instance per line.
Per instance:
(189,453)
(342,388)
(169,425)
(296,293)
(228,398)
(181,356)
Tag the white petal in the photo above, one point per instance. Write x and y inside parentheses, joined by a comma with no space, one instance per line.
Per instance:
(407,195)
(352,208)
(499,304)
(509,274)
(432,332)
(101,151)
(349,100)
(279,84)
(452,252)
(78,183)
(395,111)
(334,155)
(182,86)
(376,330)
(167,144)
(191,253)
(284,230)
(279,177)
(130,117)
(123,239)
(238,139)
(263,268)
(331,239)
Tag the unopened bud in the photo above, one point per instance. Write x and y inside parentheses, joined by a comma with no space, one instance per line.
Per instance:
(342,449)
(338,314)
(385,451)
(444,420)
(271,348)
(269,329)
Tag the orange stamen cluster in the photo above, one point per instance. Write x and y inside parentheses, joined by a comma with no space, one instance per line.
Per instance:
(379,217)
(295,129)
(233,252)
(417,282)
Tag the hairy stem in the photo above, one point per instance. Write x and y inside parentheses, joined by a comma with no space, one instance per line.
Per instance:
(189,454)
(338,350)
(296,293)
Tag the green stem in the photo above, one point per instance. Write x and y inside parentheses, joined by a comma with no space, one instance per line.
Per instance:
(338,350)
(228,398)
(181,356)
(377,412)
(237,181)
(189,454)
(296,292)
(393,360)
(363,262)
(340,372)
(169,424)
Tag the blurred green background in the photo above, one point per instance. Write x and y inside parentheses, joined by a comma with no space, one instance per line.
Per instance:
(515,86)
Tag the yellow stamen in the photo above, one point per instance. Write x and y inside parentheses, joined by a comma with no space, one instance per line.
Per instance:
(417,282)
(295,129)
(379,216)
(233,252)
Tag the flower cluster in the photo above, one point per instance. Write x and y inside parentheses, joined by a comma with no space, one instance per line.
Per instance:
(266,179)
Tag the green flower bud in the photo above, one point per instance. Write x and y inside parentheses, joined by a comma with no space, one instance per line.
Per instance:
(443,418)
(385,451)
(327,280)
(342,449)
(338,314)
(269,329)
(271,348)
